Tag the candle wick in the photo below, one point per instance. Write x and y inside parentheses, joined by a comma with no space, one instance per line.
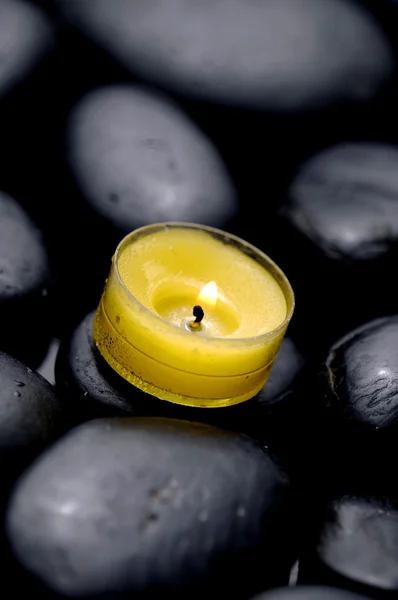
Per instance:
(198,313)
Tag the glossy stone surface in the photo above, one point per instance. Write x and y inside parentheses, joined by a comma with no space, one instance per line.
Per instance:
(91,388)
(88,384)
(349,415)
(25,37)
(26,93)
(24,283)
(24,262)
(345,201)
(276,55)
(356,547)
(340,214)
(360,377)
(31,415)
(137,159)
(151,506)
(309,593)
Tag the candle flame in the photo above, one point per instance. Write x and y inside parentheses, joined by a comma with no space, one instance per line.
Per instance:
(208,295)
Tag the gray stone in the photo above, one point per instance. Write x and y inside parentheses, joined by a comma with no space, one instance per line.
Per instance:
(139,506)
(31,415)
(282,55)
(25,281)
(137,159)
(24,264)
(361,376)
(25,37)
(345,200)
(356,546)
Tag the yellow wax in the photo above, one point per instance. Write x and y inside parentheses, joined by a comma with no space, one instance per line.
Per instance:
(141,328)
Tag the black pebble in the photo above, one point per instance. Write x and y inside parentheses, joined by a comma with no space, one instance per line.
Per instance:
(358,381)
(25,284)
(137,159)
(351,401)
(27,102)
(134,159)
(355,547)
(25,37)
(309,593)
(277,55)
(142,506)
(345,201)
(361,377)
(341,216)
(91,389)
(31,416)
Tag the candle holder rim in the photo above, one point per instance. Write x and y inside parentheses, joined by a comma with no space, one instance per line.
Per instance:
(225,235)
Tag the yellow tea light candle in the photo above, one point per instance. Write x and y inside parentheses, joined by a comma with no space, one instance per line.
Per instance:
(192,315)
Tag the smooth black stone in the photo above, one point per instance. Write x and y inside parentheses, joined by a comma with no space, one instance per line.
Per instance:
(355,546)
(26,100)
(136,159)
(25,284)
(277,416)
(92,389)
(306,592)
(277,55)
(340,215)
(31,416)
(25,38)
(345,201)
(352,413)
(359,379)
(144,507)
